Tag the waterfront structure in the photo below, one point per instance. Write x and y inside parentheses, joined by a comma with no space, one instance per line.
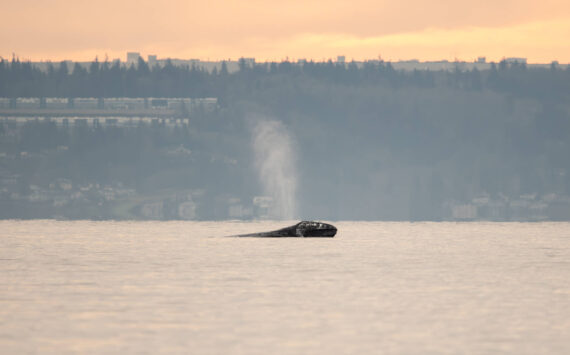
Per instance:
(112,106)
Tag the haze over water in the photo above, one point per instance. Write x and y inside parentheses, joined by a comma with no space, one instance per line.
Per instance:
(148,287)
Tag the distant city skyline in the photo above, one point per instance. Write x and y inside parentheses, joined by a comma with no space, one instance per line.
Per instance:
(133,57)
(268,31)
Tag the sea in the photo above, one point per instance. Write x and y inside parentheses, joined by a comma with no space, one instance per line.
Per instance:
(115,287)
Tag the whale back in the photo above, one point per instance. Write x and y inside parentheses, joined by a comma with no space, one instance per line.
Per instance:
(304,229)
(307,229)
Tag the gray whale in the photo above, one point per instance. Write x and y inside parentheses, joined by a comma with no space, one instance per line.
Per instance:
(304,229)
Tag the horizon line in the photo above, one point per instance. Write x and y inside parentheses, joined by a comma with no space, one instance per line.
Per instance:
(287,59)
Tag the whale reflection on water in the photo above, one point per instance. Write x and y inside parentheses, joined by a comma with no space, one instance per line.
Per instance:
(304,229)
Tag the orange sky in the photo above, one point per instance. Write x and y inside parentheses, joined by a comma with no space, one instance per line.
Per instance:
(270,30)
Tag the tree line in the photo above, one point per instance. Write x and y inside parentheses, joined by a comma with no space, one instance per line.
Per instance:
(372,142)
(113,79)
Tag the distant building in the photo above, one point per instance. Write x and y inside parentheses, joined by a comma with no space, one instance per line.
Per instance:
(85,103)
(27,102)
(133,57)
(34,108)
(511,60)
(340,59)
(187,210)
(124,103)
(481,60)
(152,59)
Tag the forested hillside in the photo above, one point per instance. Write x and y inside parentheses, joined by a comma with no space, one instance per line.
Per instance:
(370,142)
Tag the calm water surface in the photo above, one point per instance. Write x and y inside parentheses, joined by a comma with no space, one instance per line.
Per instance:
(180,287)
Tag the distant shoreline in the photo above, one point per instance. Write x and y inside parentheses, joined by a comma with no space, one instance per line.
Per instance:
(233,66)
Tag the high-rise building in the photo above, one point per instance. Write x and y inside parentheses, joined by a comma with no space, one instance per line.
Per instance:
(518,60)
(133,57)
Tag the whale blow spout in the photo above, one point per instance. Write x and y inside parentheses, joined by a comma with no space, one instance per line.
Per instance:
(304,229)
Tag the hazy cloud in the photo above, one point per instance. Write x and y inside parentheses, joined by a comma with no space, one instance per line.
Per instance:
(268,30)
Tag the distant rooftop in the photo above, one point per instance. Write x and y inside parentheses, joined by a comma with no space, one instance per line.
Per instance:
(480,63)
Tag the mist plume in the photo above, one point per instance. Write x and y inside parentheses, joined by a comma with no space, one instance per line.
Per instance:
(275,163)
